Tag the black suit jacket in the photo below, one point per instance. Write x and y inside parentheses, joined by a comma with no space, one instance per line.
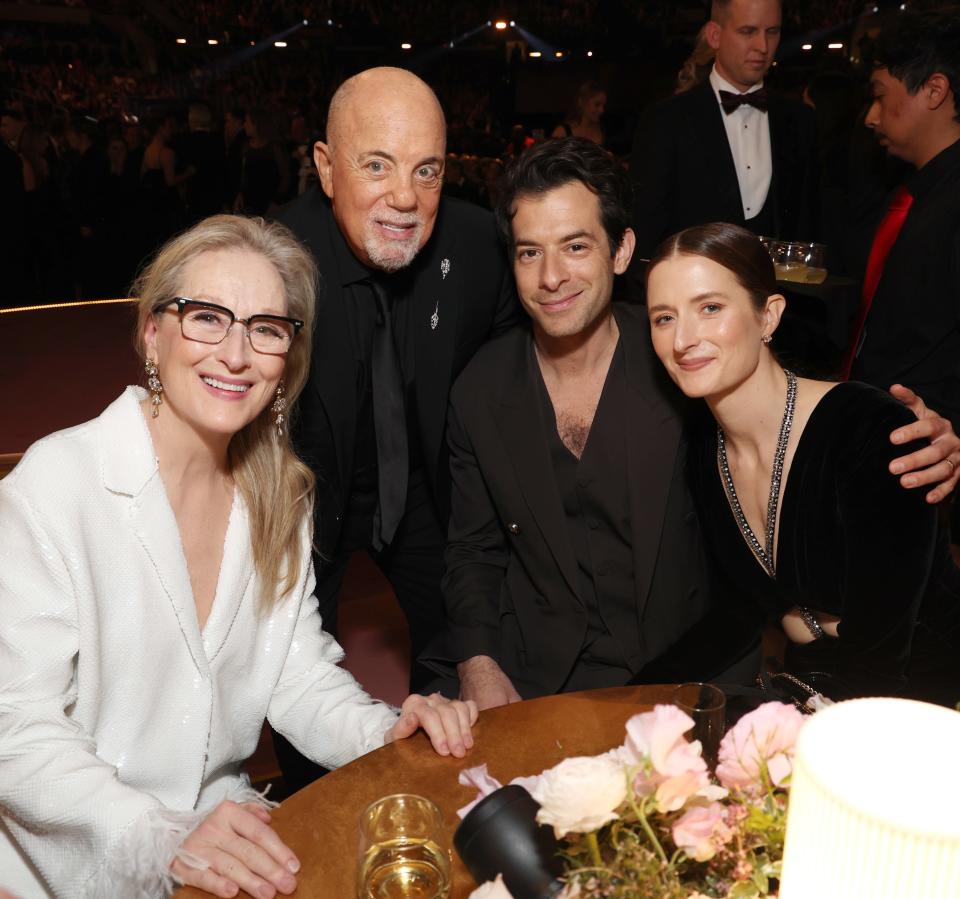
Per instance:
(511,582)
(683,171)
(912,333)
(476,299)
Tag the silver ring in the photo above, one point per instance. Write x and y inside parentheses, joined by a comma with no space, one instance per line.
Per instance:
(951,463)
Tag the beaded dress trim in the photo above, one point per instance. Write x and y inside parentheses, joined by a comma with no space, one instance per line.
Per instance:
(764,552)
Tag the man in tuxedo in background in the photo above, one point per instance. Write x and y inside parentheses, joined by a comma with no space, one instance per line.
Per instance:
(909,324)
(727,150)
(411,283)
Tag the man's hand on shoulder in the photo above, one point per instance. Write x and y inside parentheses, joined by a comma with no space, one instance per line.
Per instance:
(483,681)
(937,464)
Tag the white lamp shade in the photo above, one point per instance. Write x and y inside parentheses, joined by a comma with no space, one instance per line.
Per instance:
(875,803)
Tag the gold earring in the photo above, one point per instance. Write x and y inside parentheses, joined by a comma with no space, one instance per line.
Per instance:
(154,385)
(278,408)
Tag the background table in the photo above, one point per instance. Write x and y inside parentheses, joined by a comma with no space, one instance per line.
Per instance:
(320,823)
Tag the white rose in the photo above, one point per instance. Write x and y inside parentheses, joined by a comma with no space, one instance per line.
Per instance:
(580,794)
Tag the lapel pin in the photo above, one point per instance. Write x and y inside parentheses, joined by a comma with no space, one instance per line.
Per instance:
(444,271)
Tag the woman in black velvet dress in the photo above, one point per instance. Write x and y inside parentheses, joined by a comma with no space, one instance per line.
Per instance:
(854,567)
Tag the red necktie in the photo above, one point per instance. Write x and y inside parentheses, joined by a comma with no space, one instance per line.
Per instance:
(883,240)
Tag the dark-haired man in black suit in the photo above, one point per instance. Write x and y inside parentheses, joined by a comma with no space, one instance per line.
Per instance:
(574,558)
(727,150)
(910,318)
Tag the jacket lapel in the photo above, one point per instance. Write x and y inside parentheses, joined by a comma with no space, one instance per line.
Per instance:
(522,431)
(130,469)
(782,141)
(332,367)
(236,572)
(653,428)
(435,321)
(708,129)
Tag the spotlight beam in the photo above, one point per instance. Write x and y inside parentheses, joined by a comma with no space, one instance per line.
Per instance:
(537,43)
(221,67)
(428,56)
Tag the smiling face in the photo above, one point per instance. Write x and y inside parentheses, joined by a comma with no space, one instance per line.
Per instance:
(218,389)
(746,40)
(383,166)
(706,328)
(562,262)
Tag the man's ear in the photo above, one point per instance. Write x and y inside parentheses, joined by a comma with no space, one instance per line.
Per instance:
(711,31)
(937,88)
(323,160)
(621,259)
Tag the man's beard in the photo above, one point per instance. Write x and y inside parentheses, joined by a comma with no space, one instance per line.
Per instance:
(391,256)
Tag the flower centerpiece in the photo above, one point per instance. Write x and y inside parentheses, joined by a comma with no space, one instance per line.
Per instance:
(647,819)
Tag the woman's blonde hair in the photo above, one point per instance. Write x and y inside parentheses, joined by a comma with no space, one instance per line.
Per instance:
(275,485)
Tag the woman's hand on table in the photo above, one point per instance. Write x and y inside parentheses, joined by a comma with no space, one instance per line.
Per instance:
(242,851)
(937,464)
(447,722)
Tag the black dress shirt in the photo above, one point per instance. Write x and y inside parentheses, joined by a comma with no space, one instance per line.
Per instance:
(355,280)
(597,518)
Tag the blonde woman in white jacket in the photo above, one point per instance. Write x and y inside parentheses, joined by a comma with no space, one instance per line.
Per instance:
(156,600)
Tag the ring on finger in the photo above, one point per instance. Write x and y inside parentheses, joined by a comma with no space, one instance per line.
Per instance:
(951,463)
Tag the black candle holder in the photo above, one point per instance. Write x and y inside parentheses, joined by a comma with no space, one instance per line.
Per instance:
(500,835)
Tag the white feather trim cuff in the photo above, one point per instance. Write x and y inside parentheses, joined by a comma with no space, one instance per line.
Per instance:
(138,865)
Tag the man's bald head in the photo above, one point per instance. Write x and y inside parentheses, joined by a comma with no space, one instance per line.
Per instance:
(382,164)
(379,85)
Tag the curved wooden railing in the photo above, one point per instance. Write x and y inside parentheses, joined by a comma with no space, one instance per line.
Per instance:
(7,461)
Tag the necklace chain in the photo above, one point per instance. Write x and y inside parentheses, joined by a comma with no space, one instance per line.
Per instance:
(765,553)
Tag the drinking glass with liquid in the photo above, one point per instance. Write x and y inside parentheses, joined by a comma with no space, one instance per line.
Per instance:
(404,850)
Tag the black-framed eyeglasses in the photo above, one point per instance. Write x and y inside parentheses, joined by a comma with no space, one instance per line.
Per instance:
(210,323)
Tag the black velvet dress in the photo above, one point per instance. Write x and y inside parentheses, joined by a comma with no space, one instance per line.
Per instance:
(853,543)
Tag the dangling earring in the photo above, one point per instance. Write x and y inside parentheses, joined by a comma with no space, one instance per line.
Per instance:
(767,338)
(154,385)
(278,408)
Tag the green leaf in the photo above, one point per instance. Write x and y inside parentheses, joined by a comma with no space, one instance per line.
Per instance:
(745,889)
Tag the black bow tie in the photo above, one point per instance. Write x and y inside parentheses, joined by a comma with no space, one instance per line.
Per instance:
(730,101)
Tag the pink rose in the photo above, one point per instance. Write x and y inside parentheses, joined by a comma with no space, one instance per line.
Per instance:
(700,831)
(765,737)
(669,765)
(581,794)
(658,736)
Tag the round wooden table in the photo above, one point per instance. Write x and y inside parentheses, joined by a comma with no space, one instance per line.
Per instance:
(320,823)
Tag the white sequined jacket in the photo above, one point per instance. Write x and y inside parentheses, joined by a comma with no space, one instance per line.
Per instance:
(120,721)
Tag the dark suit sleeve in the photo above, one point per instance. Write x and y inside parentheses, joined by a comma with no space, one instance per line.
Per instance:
(476,555)
(890,534)
(653,171)
(508,312)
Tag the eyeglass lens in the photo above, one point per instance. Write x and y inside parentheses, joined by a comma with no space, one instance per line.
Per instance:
(267,335)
